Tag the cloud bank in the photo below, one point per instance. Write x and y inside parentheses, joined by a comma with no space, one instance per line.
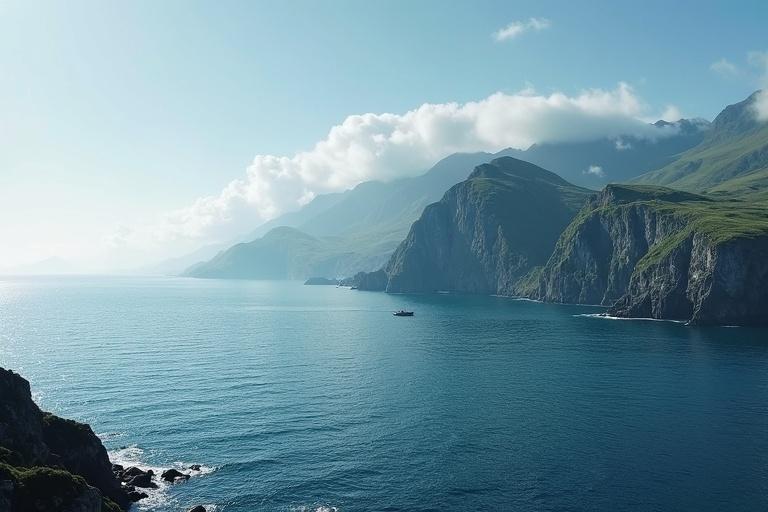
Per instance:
(518,28)
(389,146)
(760,61)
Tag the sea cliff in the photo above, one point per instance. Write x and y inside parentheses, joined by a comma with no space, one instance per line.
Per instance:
(49,463)
(485,234)
(653,252)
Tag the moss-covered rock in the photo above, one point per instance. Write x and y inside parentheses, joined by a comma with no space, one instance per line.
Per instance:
(50,463)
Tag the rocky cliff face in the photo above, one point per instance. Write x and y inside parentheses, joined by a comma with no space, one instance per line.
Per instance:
(49,463)
(703,283)
(486,233)
(656,253)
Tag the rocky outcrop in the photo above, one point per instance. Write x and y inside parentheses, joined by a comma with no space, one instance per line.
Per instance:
(370,281)
(702,282)
(49,463)
(486,234)
(595,257)
(651,252)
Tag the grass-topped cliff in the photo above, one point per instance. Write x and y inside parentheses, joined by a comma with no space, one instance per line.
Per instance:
(657,252)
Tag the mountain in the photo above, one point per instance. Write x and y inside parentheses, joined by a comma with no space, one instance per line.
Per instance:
(371,219)
(359,229)
(282,253)
(485,234)
(731,160)
(392,207)
(339,234)
(176,266)
(48,266)
(655,252)
(596,163)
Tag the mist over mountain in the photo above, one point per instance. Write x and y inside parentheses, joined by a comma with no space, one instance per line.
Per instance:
(49,266)
(732,159)
(358,230)
(644,250)
(339,234)
(610,160)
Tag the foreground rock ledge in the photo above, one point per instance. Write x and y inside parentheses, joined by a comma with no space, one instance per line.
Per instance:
(48,463)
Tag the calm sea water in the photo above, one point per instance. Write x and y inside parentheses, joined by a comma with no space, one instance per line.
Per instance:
(315,398)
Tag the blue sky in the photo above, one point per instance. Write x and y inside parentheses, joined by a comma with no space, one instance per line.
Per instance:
(114,114)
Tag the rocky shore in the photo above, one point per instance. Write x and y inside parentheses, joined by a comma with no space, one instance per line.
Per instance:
(51,464)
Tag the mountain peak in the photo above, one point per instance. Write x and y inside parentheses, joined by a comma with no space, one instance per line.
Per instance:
(736,119)
(507,166)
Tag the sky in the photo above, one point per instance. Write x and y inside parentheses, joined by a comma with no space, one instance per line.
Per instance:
(135,131)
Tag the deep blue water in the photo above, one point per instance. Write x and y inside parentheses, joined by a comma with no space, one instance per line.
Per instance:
(304,398)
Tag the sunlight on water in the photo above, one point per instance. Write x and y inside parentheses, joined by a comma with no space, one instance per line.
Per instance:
(317,399)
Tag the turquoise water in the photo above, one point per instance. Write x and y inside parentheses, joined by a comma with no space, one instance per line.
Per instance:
(316,398)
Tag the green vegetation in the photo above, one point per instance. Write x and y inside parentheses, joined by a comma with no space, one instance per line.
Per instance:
(630,193)
(731,160)
(43,488)
(341,234)
(717,220)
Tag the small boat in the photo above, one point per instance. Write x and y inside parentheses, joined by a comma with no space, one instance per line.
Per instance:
(403,312)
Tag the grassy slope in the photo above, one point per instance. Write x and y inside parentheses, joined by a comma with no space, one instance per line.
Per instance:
(732,160)
(710,167)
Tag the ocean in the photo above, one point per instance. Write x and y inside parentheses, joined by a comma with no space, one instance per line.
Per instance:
(316,398)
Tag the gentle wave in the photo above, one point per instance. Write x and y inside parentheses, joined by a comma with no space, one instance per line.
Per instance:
(644,319)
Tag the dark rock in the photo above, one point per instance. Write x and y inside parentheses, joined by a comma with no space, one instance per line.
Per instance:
(645,252)
(143,480)
(135,496)
(195,467)
(116,468)
(486,234)
(198,508)
(370,281)
(132,471)
(35,438)
(172,475)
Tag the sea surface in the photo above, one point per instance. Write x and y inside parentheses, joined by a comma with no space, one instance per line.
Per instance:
(315,398)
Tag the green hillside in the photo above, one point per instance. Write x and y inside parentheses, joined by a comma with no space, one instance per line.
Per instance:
(732,160)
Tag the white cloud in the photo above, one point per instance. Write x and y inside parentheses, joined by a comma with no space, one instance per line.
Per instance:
(724,67)
(760,61)
(595,170)
(388,146)
(518,28)
(622,145)
(761,105)
(671,114)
